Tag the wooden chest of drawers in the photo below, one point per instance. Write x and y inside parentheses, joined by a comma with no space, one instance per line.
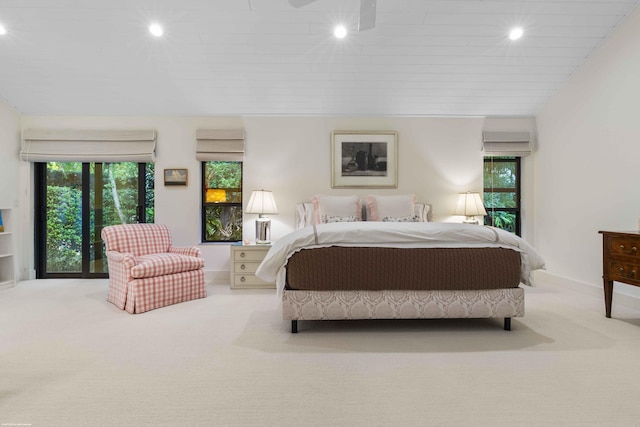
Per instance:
(245,260)
(620,261)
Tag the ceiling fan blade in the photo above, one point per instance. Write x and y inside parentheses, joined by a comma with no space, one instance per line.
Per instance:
(367,18)
(300,3)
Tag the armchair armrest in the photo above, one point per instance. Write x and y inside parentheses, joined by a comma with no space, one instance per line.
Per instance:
(125,258)
(188,251)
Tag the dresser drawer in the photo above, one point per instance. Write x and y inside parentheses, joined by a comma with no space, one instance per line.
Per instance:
(624,271)
(624,246)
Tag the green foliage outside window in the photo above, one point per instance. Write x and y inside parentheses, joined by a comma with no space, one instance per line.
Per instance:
(222,212)
(501,193)
(117,204)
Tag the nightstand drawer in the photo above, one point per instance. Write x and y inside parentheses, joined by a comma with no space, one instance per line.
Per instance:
(249,280)
(250,255)
(246,267)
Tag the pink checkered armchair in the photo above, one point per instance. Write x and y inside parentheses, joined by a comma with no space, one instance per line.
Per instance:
(146,272)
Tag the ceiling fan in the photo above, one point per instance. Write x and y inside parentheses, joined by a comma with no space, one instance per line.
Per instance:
(367,19)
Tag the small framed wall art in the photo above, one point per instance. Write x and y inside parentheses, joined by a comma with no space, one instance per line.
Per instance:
(362,159)
(175,176)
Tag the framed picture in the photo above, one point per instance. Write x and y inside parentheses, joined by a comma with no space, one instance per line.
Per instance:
(175,177)
(361,159)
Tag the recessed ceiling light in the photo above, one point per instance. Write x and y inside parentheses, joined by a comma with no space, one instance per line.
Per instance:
(3,30)
(156,29)
(516,33)
(340,31)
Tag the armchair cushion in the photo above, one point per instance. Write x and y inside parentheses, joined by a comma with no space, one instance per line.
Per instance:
(153,265)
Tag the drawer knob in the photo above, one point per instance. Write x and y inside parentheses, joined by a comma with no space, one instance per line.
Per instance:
(621,248)
(242,267)
(632,273)
(634,249)
(242,279)
(242,254)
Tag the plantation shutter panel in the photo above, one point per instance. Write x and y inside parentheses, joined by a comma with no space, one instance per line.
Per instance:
(70,145)
(220,145)
(495,143)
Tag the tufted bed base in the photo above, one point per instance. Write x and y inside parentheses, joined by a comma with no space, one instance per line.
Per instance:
(340,283)
(343,305)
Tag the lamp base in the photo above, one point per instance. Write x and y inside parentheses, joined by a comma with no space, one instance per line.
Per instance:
(471,220)
(263,230)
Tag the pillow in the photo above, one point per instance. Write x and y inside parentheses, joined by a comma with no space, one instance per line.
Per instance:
(336,206)
(410,218)
(380,207)
(327,219)
(421,210)
(304,215)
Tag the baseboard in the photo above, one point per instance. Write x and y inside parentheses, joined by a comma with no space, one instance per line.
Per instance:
(217,277)
(622,294)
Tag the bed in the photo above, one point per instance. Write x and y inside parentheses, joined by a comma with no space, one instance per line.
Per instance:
(399,270)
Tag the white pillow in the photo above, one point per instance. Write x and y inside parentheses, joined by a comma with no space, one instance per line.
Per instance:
(379,207)
(304,215)
(336,207)
(421,210)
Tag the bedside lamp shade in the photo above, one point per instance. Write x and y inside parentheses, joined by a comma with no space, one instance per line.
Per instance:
(470,205)
(262,202)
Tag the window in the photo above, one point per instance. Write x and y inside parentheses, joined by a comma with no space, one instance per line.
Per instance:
(502,192)
(74,201)
(222,201)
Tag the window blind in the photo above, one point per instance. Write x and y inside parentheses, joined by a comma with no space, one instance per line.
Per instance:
(498,143)
(220,145)
(70,145)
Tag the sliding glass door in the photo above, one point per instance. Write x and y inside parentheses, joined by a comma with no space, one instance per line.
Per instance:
(74,201)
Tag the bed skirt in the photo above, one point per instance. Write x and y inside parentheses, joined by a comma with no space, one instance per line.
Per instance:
(342,305)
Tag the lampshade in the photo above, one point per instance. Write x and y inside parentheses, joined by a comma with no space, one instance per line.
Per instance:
(262,202)
(470,205)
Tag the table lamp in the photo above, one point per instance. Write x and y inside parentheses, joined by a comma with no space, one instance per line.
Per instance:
(470,205)
(262,202)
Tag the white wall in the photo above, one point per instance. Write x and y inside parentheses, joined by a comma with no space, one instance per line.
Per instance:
(589,158)
(438,158)
(9,148)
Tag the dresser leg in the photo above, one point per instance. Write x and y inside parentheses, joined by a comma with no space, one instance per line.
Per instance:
(608,296)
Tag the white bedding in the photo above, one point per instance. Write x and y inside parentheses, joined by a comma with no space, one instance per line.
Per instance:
(397,235)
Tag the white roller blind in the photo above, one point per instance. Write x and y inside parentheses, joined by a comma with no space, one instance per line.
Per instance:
(70,145)
(220,145)
(497,143)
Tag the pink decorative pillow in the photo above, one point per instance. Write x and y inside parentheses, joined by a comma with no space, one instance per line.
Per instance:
(379,207)
(336,206)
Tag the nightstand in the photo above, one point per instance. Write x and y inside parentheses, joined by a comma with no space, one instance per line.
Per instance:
(245,260)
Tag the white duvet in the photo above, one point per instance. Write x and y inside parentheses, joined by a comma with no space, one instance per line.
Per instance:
(396,235)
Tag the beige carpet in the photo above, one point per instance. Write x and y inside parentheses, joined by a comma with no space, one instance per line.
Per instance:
(69,358)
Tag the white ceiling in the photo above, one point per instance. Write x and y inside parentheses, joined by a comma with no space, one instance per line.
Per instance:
(264,57)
